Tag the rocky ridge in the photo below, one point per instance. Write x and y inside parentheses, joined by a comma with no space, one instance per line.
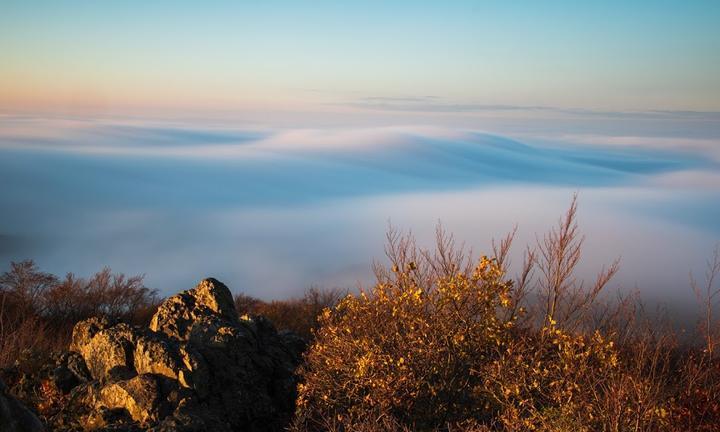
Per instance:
(196,367)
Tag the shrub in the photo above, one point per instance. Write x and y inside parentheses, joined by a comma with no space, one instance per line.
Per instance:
(299,315)
(415,348)
(445,342)
(38,310)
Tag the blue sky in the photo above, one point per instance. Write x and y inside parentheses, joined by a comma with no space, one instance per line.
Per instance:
(616,55)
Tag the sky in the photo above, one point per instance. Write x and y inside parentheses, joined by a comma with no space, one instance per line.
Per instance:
(270,144)
(138,55)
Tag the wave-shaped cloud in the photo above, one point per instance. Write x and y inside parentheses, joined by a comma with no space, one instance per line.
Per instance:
(180,200)
(245,168)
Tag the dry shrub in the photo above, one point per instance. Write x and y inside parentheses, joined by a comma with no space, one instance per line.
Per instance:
(413,352)
(21,340)
(387,424)
(696,399)
(298,315)
(114,296)
(415,348)
(38,310)
(445,342)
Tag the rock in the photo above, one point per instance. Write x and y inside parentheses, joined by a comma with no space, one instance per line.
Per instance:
(295,345)
(108,353)
(77,366)
(140,396)
(85,330)
(197,367)
(157,355)
(117,419)
(64,379)
(176,316)
(70,372)
(14,416)
(195,373)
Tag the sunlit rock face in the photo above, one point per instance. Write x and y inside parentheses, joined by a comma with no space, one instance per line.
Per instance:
(177,315)
(197,367)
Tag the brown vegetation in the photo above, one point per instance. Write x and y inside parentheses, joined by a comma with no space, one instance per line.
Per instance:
(444,341)
(38,310)
(298,315)
(457,344)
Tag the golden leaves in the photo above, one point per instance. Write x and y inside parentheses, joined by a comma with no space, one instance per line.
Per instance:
(407,345)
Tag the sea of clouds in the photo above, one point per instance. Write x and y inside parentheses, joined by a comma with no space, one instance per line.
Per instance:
(273,210)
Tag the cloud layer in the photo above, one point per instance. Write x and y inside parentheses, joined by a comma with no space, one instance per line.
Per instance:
(275,210)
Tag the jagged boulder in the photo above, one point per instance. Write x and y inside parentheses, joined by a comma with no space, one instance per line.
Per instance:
(85,330)
(140,396)
(70,371)
(197,367)
(14,416)
(154,354)
(178,314)
(109,353)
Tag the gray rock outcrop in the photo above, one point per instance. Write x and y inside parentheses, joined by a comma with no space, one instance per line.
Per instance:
(197,367)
